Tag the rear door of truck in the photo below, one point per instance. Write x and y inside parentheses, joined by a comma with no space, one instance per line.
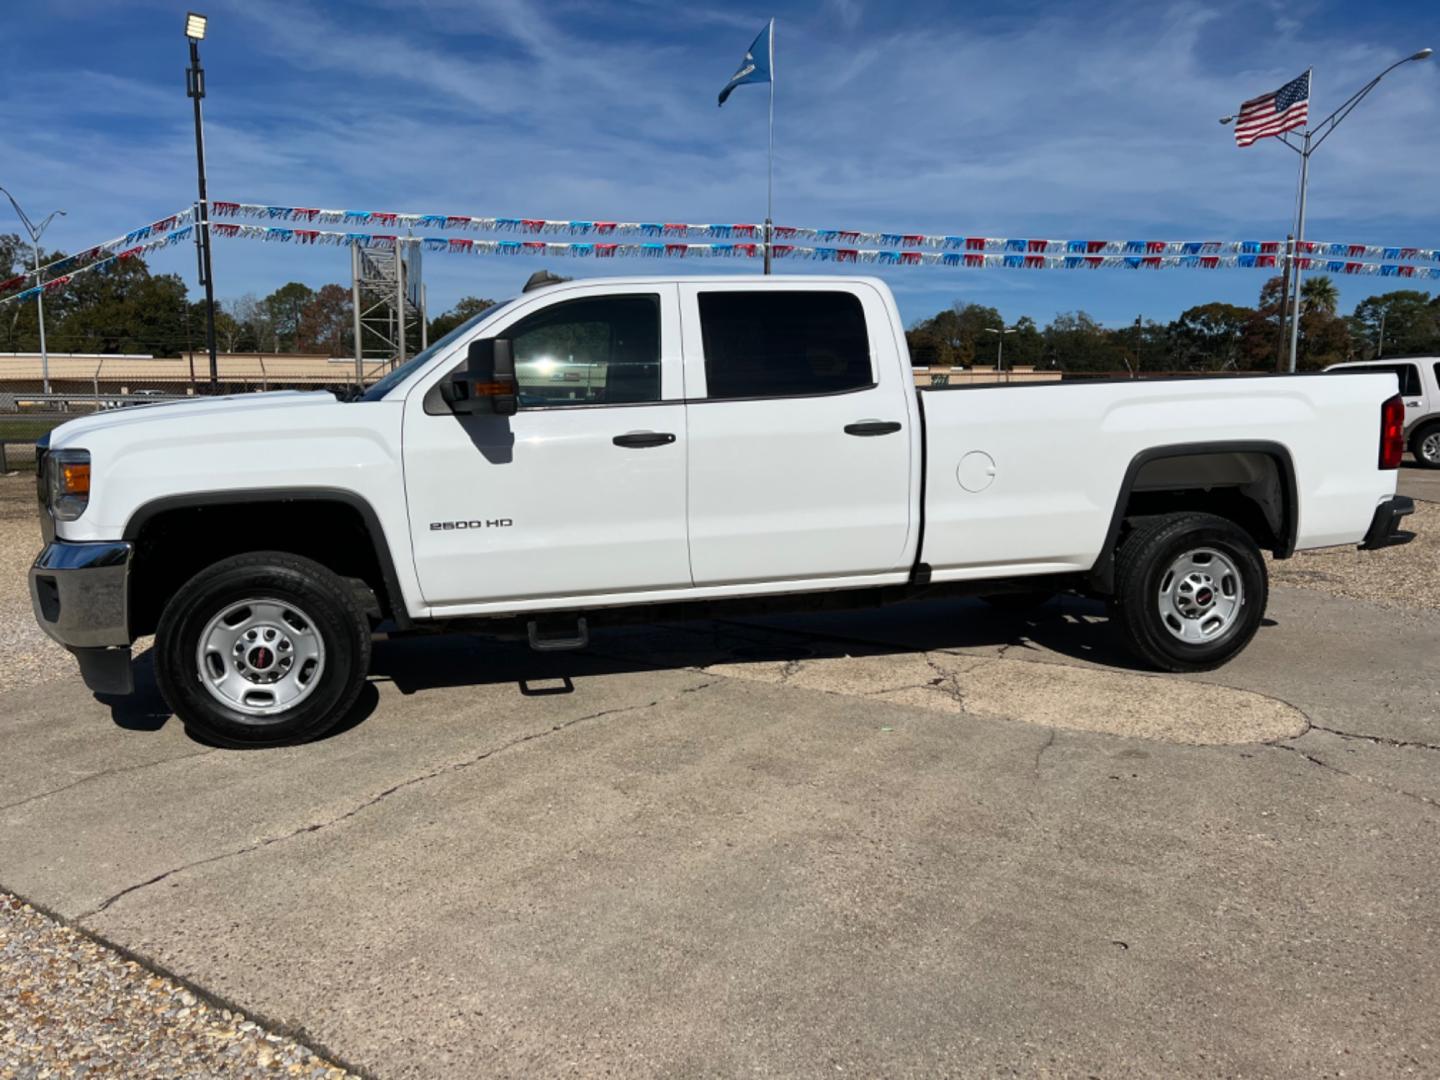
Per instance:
(802,432)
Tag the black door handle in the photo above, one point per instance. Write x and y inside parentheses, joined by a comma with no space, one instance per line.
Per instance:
(873,427)
(644,438)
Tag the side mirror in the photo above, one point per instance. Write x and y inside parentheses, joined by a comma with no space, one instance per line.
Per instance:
(487,385)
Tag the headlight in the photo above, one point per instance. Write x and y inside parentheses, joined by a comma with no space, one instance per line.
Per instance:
(69,482)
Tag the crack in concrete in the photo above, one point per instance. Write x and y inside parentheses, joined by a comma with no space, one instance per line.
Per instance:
(102,773)
(789,670)
(895,689)
(946,682)
(448,767)
(1046,745)
(1426,799)
(1378,740)
(1004,649)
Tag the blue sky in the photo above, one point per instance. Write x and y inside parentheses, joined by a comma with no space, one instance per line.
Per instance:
(1062,120)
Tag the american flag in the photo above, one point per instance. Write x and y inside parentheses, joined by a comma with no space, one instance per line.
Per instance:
(1274,114)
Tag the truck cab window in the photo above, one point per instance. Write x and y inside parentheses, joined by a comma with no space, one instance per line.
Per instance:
(600,351)
(784,343)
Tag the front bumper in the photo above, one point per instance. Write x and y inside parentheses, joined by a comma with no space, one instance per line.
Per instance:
(1385,525)
(79,593)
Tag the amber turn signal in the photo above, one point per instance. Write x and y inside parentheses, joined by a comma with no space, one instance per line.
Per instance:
(74,478)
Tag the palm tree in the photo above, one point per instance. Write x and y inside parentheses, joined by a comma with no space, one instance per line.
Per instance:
(1319,294)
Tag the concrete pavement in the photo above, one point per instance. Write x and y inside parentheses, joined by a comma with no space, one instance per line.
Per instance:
(795,847)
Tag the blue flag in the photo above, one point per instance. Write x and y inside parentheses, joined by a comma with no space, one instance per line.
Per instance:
(755,68)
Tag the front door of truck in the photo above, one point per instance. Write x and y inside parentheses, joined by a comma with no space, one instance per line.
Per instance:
(582,491)
(801,440)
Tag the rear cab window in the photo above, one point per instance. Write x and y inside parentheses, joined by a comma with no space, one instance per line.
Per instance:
(784,343)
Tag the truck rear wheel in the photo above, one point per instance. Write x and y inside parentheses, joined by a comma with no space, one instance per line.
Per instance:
(261,650)
(1190,591)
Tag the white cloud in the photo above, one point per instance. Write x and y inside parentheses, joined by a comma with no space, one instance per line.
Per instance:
(1098,122)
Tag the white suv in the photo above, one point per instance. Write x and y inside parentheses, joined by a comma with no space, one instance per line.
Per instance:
(1419,378)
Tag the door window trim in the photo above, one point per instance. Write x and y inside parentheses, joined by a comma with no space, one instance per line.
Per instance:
(787,397)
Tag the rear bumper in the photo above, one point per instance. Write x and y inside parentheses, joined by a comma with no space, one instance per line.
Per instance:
(79,595)
(1385,525)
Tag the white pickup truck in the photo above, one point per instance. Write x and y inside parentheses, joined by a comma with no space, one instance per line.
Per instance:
(647,449)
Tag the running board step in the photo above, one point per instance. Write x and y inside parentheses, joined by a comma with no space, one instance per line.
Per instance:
(554,643)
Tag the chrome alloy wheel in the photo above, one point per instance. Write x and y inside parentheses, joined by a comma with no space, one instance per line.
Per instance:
(1430,448)
(260,656)
(1201,595)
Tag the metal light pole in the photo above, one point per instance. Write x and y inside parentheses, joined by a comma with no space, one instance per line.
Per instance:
(195,90)
(37,231)
(1000,351)
(1380,347)
(1310,141)
(1284,319)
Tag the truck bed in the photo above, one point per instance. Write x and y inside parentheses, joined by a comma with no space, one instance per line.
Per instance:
(1024,478)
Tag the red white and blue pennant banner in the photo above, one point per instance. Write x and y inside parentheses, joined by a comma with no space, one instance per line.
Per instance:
(68,264)
(100,266)
(844,238)
(679,249)
(978,253)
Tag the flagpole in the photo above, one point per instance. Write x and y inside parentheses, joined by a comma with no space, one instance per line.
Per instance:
(1300,226)
(770,163)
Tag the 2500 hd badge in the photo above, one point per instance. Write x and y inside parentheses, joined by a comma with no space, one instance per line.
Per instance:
(492,523)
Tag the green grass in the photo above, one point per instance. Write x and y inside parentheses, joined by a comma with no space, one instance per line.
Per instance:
(25,427)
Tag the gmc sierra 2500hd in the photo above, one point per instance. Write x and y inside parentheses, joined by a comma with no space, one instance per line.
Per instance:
(642,448)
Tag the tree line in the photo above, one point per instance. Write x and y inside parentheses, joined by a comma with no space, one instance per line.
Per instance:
(1208,337)
(131,310)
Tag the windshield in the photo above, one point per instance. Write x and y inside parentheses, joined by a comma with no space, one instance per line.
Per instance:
(409,367)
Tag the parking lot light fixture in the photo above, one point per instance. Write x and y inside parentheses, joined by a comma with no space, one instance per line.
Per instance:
(195,90)
(37,231)
(1000,352)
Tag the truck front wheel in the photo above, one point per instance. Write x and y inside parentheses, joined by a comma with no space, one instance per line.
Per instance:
(1190,591)
(261,650)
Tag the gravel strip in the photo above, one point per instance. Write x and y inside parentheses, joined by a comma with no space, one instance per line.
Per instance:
(1405,577)
(71,1007)
(27,656)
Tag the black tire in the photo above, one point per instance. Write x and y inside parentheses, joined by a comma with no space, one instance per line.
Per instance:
(1019,603)
(328,611)
(1426,438)
(1141,565)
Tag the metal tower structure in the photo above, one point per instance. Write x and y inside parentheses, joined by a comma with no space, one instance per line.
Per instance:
(388,298)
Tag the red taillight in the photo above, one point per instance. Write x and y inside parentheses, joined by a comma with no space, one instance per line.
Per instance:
(1392,433)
